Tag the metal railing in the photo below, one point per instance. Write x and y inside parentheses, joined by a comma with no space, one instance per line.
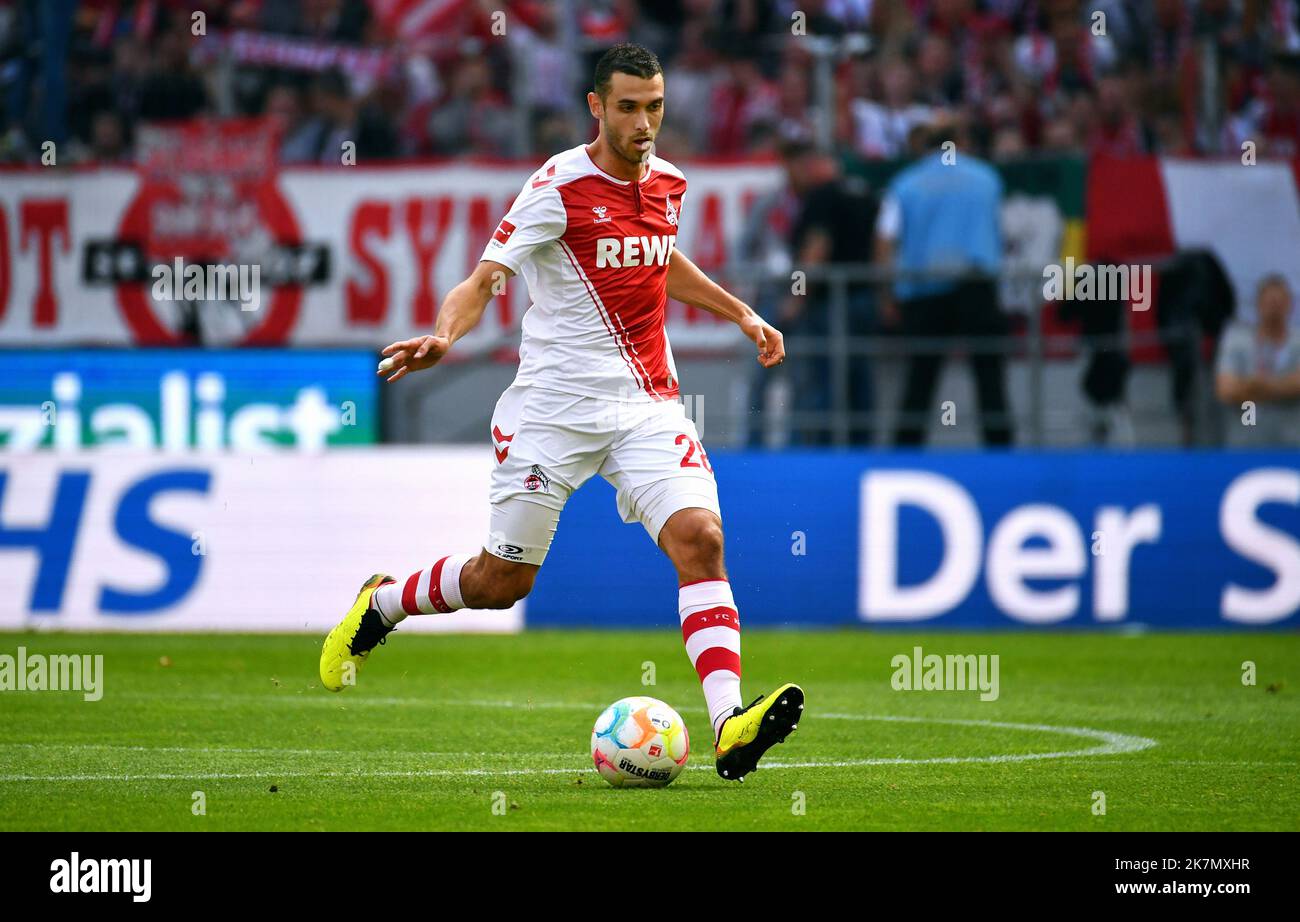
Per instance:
(1045,399)
(841,349)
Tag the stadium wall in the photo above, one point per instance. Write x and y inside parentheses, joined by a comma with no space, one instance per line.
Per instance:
(279,540)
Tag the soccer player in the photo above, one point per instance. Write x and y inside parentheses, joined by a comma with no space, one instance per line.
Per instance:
(593,232)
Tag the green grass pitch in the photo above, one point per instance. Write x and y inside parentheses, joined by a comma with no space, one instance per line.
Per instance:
(441,730)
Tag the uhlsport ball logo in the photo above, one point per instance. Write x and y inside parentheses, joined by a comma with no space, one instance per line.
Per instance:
(639,742)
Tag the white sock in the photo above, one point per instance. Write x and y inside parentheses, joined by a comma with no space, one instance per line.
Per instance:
(711,631)
(434,589)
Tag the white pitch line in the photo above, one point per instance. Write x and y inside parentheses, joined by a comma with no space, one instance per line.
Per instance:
(316,698)
(1110,744)
(237,750)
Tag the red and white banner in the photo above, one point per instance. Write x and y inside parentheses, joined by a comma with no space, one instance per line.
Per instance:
(349,255)
(1144,209)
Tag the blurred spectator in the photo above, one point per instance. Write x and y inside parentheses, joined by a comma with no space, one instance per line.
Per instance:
(336,118)
(1036,76)
(108,140)
(551,131)
(130,68)
(795,106)
(881,126)
(327,20)
(299,137)
(545,70)
(1116,130)
(940,79)
(657,24)
(1077,55)
(1194,300)
(1262,365)
(743,105)
(1273,120)
(475,117)
(943,214)
(832,227)
(765,243)
(689,89)
(1169,36)
(1105,376)
(170,88)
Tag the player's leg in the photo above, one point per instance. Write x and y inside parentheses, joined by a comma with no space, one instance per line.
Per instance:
(452,582)
(538,465)
(692,538)
(501,574)
(665,481)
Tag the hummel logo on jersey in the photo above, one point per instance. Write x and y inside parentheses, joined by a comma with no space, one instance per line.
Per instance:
(504,439)
(672,213)
(504,230)
(621,252)
(542,179)
(600,214)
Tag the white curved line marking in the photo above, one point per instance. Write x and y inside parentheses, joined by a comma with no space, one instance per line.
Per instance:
(1108,744)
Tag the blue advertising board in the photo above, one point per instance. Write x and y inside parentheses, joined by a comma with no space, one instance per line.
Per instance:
(1073,540)
(180,399)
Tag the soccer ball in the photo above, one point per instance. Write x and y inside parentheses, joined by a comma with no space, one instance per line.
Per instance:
(639,742)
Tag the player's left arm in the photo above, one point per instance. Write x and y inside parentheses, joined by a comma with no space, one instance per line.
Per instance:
(686,283)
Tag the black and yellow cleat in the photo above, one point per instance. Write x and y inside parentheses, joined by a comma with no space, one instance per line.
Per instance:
(750,732)
(349,644)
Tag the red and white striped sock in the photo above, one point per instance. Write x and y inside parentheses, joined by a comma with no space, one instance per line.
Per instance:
(711,630)
(434,589)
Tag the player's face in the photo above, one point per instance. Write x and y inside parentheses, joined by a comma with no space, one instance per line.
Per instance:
(630,114)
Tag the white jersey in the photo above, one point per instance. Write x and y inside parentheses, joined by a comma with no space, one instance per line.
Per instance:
(594,250)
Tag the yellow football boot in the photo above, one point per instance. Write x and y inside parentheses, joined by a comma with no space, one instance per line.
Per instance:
(750,732)
(349,644)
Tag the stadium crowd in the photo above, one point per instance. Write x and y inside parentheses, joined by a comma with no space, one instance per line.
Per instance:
(814,84)
(1024,76)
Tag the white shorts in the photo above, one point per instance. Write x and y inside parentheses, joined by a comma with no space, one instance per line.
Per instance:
(549,443)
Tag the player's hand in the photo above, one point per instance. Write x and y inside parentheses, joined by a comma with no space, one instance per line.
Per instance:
(413,355)
(770,342)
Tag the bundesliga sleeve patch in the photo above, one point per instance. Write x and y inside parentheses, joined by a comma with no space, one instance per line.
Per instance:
(503,232)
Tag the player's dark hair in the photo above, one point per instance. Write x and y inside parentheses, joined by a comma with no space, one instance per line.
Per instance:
(625,58)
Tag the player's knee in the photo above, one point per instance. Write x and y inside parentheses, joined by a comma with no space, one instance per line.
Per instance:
(696,537)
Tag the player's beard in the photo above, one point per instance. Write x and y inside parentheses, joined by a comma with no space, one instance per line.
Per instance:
(623,147)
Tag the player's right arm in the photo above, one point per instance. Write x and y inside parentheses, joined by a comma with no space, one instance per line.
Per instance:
(536,218)
(461,311)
